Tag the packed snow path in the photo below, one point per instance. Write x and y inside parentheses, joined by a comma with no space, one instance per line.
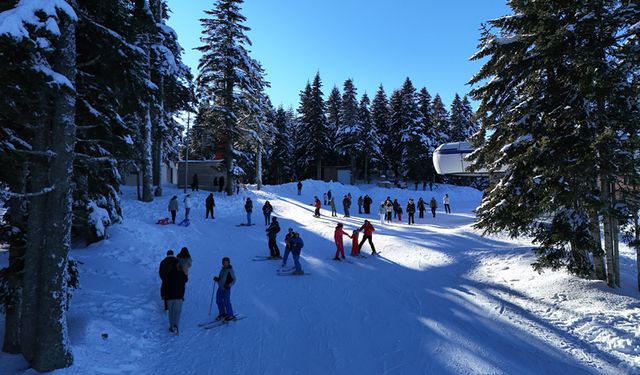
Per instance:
(441,299)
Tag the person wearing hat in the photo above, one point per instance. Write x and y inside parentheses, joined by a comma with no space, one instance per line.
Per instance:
(167,264)
(287,247)
(174,282)
(272,232)
(225,279)
(337,236)
(411,210)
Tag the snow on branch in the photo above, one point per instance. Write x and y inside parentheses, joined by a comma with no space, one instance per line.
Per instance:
(29,12)
(5,194)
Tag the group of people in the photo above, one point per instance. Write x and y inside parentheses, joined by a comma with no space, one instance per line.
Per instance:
(174,207)
(367,229)
(389,209)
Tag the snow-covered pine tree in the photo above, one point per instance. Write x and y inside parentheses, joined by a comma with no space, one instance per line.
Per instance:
(469,123)
(426,115)
(414,141)
(559,123)
(380,117)
(393,141)
(315,139)
(440,121)
(368,142)
(229,78)
(334,108)
(349,127)
(280,153)
(457,120)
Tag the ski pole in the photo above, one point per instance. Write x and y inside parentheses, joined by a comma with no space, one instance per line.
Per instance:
(212,294)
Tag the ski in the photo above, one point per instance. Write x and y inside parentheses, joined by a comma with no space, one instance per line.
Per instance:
(258,258)
(343,260)
(221,323)
(244,225)
(292,274)
(288,269)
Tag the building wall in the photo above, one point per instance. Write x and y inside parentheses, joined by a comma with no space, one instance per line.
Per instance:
(207,171)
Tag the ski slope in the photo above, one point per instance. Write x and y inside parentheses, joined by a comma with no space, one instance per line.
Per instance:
(441,298)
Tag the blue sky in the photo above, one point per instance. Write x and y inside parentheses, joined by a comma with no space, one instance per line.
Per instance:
(371,41)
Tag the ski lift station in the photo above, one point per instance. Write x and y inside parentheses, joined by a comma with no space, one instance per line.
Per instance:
(451,159)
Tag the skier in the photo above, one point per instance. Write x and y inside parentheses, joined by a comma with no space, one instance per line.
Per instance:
(337,236)
(173,208)
(210,203)
(368,230)
(167,264)
(355,251)
(317,205)
(360,201)
(329,195)
(396,209)
(366,203)
(324,198)
(225,281)
(194,182)
(346,204)
(296,244)
(399,212)
(187,206)
(287,247)
(421,208)
(299,187)
(174,295)
(272,231)
(445,200)
(248,206)
(389,209)
(184,258)
(433,205)
(382,212)
(267,209)
(411,211)
(332,203)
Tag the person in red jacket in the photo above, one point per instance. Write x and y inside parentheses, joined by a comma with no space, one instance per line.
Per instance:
(317,204)
(355,249)
(368,230)
(337,236)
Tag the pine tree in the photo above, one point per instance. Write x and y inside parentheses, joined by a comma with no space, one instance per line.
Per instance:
(560,124)
(334,108)
(469,123)
(281,152)
(415,142)
(229,78)
(428,126)
(380,117)
(349,126)
(457,120)
(368,142)
(440,121)
(315,139)
(393,140)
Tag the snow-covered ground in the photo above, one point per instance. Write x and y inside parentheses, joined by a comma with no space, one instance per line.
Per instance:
(441,298)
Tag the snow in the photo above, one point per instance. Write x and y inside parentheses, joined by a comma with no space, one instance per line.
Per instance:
(13,21)
(98,218)
(440,299)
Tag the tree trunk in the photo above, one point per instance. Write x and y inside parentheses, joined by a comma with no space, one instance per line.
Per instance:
(366,169)
(45,344)
(608,231)
(158,154)
(598,254)
(354,169)
(259,167)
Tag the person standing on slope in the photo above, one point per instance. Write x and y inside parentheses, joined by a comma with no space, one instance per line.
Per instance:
(411,211)
(329,195)
(337,236)
(421,208)
(187,206)
(317,205)
(299,187)
(360,201)
(173,208)
(433,205)
(210,203)
(287,247)
(225,279)
(366,203)
(399,213)
(184,258)
(445,200)
(166,265)
(368,230)
(248,207)
(396,209)
(355,251)
(174,294)
(267,209)
(324,198)
(346,204)
(194,182)
(272,232)
(382,212)
(296,244)
(332,204)
(389,209)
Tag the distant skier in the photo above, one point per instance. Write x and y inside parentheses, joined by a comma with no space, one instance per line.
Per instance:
(296,244)
(411,211)
(317,205)
(174,295)
(287,247)
(445,200)
(272,232)
(299,187)
(399,213)
(368,230)
(187,206)
(225,279)
(421,208)
(433,205)
(360,201)
(346,204)
(337,236)
(248,207)
(355,250)
(184,258)
(389,209)
(267,209)
(366,204)
(332,204)
(396,209)
(329,195)
(167,264)
(324,198)
(173,208)
(210,203)
(194,182)
(382,212)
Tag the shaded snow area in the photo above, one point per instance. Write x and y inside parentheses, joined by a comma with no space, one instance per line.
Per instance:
(440,298)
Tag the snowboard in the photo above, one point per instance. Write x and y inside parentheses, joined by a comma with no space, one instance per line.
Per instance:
(220,323)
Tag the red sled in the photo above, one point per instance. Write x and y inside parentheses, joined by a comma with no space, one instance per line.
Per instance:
(164,221)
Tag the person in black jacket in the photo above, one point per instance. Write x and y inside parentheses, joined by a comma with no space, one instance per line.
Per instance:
(225,281)
(174,294)
(166,265)
(210,203)
(411,210)
(366,204)
(272,231)
(194,183)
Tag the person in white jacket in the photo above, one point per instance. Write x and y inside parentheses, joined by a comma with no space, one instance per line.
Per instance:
(445,200)
(187,206)
(382,211)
